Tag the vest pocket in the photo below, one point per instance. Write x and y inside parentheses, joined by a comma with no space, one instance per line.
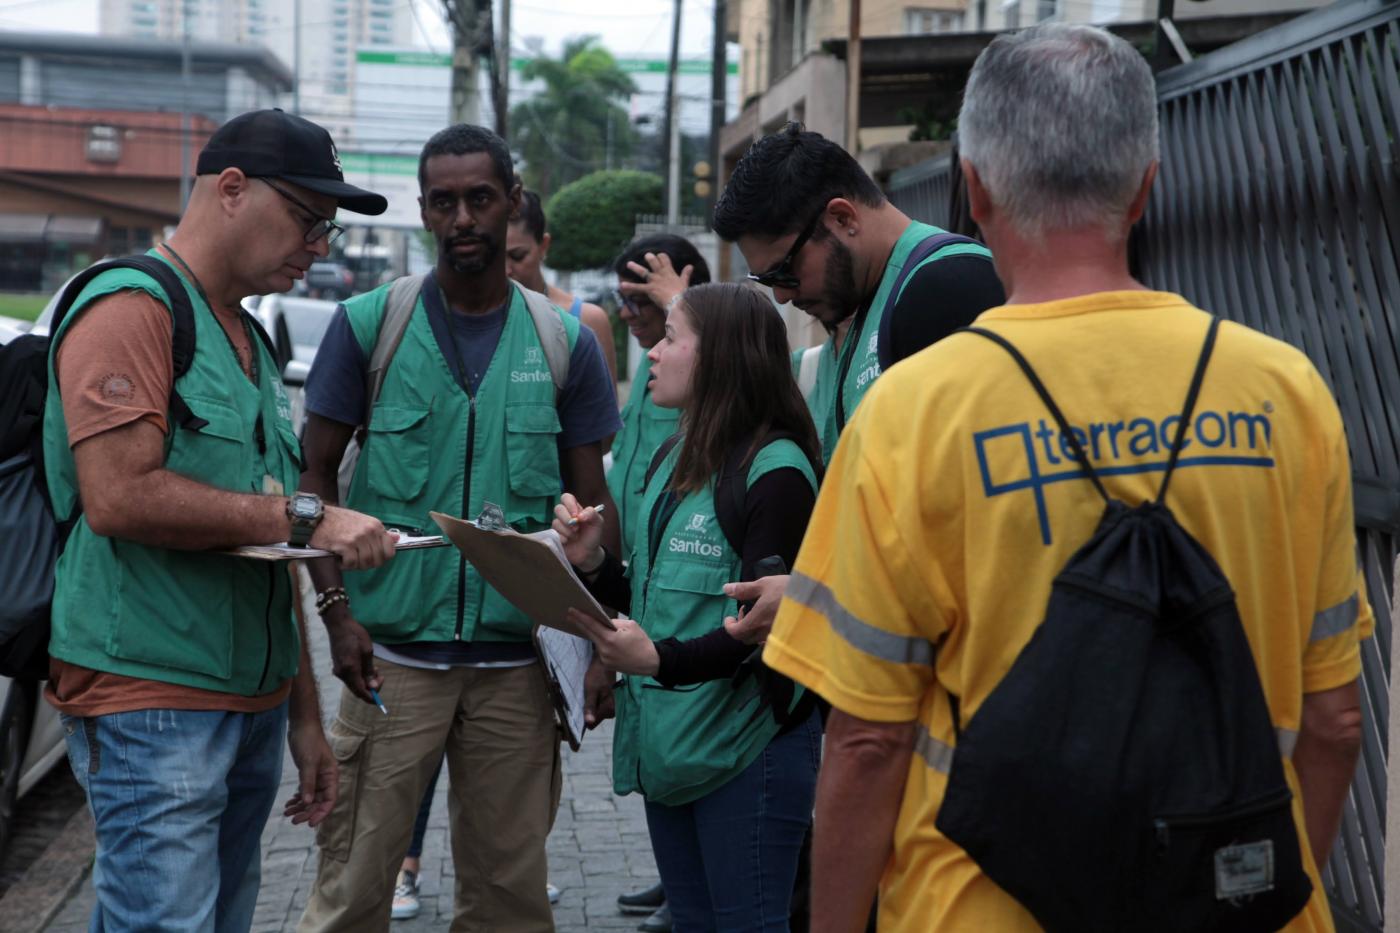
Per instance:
(692,600)
(396,453)
(174,609)
(219,453)
(532,449)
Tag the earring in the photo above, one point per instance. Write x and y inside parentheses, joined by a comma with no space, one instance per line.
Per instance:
(851,231)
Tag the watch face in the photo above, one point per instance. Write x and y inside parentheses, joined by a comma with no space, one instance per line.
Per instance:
(304,507)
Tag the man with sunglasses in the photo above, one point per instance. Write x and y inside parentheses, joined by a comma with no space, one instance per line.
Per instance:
(822,236)
(177,669)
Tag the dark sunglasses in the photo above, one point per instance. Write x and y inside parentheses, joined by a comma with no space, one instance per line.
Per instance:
(320,228)
(781,275)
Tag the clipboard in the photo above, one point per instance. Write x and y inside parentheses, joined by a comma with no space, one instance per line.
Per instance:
(565,658)
(288,552)
(530,571)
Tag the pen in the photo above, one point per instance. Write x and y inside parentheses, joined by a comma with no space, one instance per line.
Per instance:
(378,702)
(597,510)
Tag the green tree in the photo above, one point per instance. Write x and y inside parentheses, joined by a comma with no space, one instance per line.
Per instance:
(576,124)
(591,219)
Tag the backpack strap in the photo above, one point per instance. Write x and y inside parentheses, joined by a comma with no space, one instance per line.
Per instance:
(1187,410)
(807,369)
(660,457)
(1044,394)
(553,338)
(182,312)
(921,251)
(398,308)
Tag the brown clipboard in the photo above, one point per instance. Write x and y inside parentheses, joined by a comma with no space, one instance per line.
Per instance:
(530,571)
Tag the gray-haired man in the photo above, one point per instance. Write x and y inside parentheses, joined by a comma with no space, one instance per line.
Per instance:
(928,562)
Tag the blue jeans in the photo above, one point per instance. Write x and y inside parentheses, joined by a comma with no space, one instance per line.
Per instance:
(729,859)
(180,799)
(420,824)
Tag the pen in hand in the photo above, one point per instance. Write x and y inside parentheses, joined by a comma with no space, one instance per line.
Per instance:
(378,702)
(597,510)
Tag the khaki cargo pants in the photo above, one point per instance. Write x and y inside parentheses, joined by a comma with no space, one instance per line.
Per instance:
(502,746)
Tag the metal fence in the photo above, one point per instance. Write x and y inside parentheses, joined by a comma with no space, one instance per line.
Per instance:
(1278,205)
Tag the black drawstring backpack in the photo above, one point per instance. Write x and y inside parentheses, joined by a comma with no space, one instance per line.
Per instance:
(1125,774)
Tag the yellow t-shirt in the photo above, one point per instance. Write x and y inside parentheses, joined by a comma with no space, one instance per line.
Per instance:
(950,506)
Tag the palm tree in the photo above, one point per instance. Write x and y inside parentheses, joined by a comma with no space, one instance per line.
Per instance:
(576,124)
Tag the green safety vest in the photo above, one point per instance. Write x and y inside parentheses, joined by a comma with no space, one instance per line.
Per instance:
(843,378)
(675,745)
(432,447)
(194,618)
(644,426)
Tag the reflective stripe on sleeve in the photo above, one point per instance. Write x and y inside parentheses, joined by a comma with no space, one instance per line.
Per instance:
(859,634)
(1336,620)
(1287,738)
(936,754)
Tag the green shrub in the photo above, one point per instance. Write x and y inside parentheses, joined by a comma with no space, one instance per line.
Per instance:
(591,219)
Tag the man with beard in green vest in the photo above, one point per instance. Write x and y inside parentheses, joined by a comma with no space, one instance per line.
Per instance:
(472,410)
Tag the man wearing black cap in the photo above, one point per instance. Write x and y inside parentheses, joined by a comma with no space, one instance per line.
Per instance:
(177,668)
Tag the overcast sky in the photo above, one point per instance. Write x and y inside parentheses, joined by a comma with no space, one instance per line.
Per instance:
(629,28)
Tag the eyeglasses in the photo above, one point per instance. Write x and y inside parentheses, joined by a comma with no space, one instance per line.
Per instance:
(323,227)
(781,275)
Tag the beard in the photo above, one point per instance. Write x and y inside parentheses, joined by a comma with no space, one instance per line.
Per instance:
(473,265)
(840,297)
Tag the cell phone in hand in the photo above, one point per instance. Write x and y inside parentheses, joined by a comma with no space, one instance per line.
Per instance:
(770,566)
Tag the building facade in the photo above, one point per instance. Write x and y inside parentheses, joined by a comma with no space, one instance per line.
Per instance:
(324,58)
(94,132)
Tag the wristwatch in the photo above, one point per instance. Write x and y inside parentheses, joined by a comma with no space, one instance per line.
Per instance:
(305,511)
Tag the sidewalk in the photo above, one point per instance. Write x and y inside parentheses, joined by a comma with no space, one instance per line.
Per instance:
(598,850)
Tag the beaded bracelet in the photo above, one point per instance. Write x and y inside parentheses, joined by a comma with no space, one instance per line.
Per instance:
(329,597)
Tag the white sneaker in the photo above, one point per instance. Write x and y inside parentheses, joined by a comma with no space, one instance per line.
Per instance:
(553,892)
(406,905)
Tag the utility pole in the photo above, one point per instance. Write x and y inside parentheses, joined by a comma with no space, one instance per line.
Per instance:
(853,82)
(468,39)
(670,129)
(503,71)
(185,108)
(719,84)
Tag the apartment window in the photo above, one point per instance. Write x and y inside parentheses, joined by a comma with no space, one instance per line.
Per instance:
(1046,9)
(1011,14)
(930,22)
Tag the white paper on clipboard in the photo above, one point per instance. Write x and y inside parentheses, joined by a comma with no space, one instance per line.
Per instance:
(565,659)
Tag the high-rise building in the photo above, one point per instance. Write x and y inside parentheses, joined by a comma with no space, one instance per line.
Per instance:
(331,31)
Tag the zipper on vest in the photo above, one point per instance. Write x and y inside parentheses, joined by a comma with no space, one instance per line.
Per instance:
(259,436)
(466,507)
(267,618)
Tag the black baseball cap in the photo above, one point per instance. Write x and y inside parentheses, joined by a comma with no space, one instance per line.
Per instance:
(273,144)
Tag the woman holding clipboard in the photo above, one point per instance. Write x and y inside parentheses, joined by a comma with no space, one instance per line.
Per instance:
(727,763)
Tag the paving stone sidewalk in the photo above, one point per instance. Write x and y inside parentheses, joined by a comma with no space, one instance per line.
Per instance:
(599,847)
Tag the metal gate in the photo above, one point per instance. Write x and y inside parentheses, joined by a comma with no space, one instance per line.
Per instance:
(1278,205)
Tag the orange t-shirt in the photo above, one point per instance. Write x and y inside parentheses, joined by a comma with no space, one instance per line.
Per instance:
(114,368)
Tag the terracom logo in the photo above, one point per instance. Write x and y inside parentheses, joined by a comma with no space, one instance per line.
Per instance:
(1116,448)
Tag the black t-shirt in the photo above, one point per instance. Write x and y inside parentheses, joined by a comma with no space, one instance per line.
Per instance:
(939,298)
(777,508)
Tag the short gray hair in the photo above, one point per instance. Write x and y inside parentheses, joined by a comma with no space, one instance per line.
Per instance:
(1060,122)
